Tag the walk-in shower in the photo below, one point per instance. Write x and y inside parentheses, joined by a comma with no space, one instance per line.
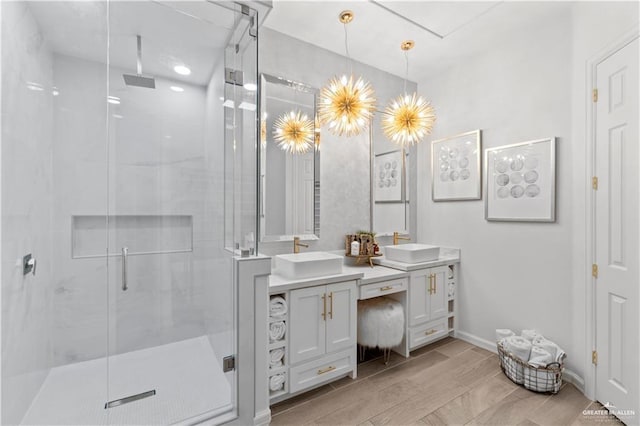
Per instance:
(129,201)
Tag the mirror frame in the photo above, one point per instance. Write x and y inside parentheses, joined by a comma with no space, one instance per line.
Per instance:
(304,88)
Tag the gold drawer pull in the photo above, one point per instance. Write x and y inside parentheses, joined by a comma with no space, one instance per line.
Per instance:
(324,307)
(385,288)
(430,332)
(326,370)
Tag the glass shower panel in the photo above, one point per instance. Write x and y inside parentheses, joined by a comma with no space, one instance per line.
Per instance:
(171,294)
(241,151)
(54,109)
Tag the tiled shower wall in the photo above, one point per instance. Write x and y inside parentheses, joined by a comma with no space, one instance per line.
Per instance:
(27,143)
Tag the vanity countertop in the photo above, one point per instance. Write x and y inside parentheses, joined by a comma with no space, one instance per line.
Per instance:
(447,256)
(376,274)
(278,283)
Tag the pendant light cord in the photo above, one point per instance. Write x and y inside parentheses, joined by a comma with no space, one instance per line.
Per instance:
(349,62)
(406,73)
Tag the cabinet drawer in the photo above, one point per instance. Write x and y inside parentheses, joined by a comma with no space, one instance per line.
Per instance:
(368,291)
(321,370)
(428,332)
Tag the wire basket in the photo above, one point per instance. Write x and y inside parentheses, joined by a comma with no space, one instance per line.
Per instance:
(537,379)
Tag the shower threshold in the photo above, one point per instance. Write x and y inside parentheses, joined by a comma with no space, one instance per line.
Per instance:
(129,399)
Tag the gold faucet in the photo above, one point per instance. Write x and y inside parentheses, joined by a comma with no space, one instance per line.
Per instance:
(297,244)
(397,237)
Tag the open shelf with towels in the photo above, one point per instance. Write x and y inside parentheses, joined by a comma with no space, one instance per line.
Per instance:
(278,348)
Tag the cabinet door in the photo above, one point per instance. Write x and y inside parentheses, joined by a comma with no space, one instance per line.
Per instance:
(419,303)
(306,323)
(341,316)
(438,297)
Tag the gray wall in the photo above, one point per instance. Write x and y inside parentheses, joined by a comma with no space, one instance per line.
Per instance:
(345,162)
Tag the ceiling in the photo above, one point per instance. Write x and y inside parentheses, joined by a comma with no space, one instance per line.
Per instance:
(173,33)
(462,28)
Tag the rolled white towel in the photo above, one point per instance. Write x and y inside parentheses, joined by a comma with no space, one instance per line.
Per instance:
(529,334)
(276,356)
(277,330)
(518,346)
(501,333)
(540,357)
(276,382)
(277,306)
(547,345)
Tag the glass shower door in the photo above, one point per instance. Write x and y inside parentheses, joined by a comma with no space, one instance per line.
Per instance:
(172,316)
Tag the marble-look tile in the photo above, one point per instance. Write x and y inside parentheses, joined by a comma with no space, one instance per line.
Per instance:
(27,106)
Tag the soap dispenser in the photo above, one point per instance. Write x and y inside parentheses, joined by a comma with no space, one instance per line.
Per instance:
(355,248)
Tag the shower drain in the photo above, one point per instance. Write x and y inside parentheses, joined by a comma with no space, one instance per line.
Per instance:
(128,399)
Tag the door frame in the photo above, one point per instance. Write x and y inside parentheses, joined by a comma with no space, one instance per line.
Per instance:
(590,252)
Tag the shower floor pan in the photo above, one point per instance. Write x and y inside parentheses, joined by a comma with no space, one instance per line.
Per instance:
(186,376)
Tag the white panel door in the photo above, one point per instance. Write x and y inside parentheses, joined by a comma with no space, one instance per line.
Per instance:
(617,231)
(438,297)
(341,316)
(307,323)
(419,297)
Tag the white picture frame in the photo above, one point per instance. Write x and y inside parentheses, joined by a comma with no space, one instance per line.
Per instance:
(456,168)
(520,181)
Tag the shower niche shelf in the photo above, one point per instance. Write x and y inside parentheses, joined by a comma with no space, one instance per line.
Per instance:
(142,234)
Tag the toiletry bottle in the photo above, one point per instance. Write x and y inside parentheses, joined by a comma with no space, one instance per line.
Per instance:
(355,248)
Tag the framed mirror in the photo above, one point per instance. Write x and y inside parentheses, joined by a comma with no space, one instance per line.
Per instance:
(391,191)
(289,161)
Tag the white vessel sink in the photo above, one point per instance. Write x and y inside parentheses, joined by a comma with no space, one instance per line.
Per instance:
(412,253)
(308,265)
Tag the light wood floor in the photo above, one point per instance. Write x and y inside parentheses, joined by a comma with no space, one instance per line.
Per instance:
(450,382)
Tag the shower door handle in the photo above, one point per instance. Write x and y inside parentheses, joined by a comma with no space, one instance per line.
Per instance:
(125,255)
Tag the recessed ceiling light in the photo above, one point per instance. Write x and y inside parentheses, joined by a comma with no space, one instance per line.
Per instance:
(252,87)
(113,100)
(228,104)
(176,88)
(118,116)
(182,70)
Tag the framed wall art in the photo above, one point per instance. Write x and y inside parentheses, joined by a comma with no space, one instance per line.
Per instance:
(456,168)
(388,176)
(520,181)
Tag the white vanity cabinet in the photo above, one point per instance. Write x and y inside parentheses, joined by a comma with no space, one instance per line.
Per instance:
(322,333)
(427,295)
(430,310)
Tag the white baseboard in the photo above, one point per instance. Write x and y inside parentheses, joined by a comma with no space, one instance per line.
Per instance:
(262,418)
(572,377)
(568,375)
(477,341)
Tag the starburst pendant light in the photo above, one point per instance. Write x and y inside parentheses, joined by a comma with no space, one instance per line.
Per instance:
(294,132)
(408,118)
(346,103)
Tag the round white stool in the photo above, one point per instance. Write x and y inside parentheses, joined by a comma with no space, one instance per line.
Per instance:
(380,324)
